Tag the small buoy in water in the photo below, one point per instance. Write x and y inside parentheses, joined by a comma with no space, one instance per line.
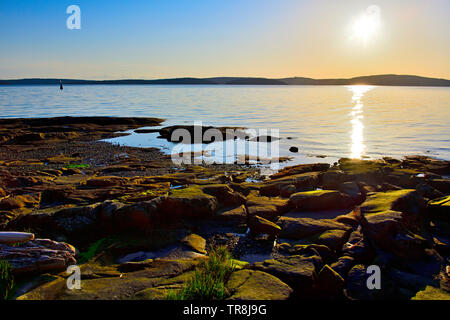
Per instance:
(60,85)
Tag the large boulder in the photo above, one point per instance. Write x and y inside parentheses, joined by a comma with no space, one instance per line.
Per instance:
(256,285)
(321,200)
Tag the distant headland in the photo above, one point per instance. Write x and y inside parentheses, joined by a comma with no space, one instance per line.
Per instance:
(378,80)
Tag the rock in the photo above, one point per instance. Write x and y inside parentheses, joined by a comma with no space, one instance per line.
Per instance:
(267,208)
(238,215)
(410,281)
(2,192)
(442,185)
(256,285)
(352,189)
(224,194)
(131,266)
(332,179)
(442,247)
(427,191)
(104,181)
(299,272)
(343,265)
(29,138)
(299,228)
(113,285)
(286,191)
(20,201)
(440,208)
(152,191)
(38,256)
(195,242)
(424,163)
(302,181)
(358,247)
(329,283)
(432,293)
(190,202)
(301,168)
(388,230)
(352,218)
(269,212)
(356,284)
(260,225)
(305,249)
(321,200)
(293,149)
(15,237)
(333,239)
(390,221)
(142,216)
(76,221)
(408,201)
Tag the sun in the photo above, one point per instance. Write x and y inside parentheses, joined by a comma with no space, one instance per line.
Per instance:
(367,25)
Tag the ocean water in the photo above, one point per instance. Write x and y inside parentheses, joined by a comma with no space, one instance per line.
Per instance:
(324,122)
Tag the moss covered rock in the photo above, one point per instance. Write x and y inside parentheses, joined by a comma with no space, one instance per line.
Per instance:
(260,225)
(256,285)
(321,200)
(299,228)
(432,293)
(195,242)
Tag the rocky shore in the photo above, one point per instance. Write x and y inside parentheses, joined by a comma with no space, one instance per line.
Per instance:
(140,227)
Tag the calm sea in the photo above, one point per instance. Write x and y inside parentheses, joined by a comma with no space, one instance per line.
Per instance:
(324,122)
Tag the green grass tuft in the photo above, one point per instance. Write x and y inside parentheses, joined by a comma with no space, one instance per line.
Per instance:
(91,251)
(6,279)
(78,166)
(208,281)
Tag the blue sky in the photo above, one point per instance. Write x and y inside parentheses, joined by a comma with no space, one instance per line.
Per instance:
(155,39)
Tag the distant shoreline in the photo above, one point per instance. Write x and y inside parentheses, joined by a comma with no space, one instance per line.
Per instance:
(377,80)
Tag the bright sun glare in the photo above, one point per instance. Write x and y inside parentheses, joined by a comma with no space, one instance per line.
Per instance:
(367,25)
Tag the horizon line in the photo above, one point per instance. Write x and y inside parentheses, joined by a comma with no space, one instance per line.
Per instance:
(213,77)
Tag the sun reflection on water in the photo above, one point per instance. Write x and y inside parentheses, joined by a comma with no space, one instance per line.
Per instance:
(357,134)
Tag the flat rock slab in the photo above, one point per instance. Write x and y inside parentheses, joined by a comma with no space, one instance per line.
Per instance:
(257,285)
(299,228)
(38,256)
(112,287)
(299,272)
(321,200)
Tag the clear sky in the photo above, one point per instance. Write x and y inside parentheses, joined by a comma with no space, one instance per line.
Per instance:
(204,38)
